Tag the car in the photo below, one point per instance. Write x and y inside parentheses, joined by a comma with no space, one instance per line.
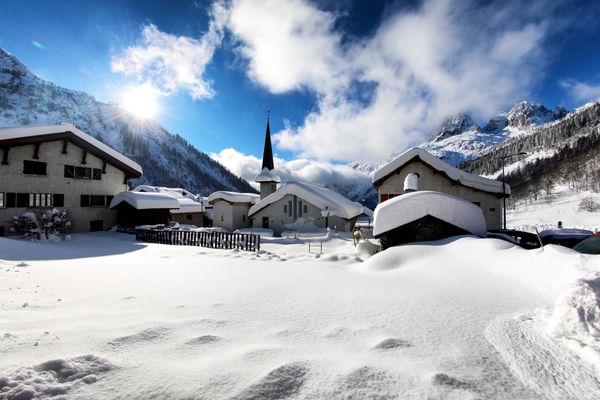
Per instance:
(526,240)
(564,237)
(589,245)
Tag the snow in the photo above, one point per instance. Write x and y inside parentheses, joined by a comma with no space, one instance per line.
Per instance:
(267,175)
(330,202)
(463,318)
(465,178)
(410,207)
(41,130)
(234,197)
(145,201)
(188,202)
(411,182)
(561,205)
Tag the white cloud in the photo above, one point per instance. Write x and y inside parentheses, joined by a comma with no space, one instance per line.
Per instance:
(581,91)
(386,92)
(342,178)
(172,63)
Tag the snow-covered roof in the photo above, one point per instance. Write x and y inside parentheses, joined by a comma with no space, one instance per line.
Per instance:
(145,201)
(267,175)
(188,202)
(21,133)
(401,210)
(453,173)
(330,202)
(234,197)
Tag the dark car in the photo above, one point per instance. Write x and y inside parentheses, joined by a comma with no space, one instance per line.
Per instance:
(589,245)
(526,240)
(564,237)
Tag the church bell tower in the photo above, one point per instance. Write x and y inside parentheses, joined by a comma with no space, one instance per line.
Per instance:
(267,178)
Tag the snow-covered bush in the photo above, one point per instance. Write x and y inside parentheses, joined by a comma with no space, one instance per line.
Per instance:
(589,204)
(52,223)
(55,222)
(26,226)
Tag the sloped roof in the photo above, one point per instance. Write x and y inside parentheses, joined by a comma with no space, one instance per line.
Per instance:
(453,173)
(145,201)
(334,204)
(233,197)
(14,136)
(401,210)
(188,202)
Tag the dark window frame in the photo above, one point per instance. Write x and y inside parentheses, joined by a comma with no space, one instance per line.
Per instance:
(39,168)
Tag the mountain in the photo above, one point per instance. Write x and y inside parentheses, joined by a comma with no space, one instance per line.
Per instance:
(167,159)
(564,151)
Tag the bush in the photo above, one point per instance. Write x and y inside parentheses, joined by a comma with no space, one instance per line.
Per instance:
(589,204)
(51,222)
(55,222)
(26,226)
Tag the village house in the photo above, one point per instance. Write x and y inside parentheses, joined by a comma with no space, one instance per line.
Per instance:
(59,166)
(191,208)
(302,206)
(230,209)
(416,169)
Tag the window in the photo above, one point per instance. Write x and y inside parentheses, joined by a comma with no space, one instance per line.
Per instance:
(58,200)
(34,167)
(2,200)
(285,208)
(300,208)
(11,200)
(492,209)
(85,200)
(305,209)
(109,200)
(69,171)
(244,218)
(22,199)
(83,173)
(96,225)
(97,174)
(289,208)
(96,200)
(39,199)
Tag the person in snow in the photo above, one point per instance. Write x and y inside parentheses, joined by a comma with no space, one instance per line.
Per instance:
(356,235)
(559,225)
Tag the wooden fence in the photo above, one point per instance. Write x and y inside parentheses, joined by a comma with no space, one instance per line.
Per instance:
(215,240)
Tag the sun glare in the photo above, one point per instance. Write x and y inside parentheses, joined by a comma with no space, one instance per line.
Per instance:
(141,101)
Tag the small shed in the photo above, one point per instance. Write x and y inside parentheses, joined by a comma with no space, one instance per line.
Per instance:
(426,215)
(141,208)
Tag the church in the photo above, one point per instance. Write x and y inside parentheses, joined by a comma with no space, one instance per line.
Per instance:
(293,206)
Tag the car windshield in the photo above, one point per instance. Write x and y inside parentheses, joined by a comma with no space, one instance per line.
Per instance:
(591,245)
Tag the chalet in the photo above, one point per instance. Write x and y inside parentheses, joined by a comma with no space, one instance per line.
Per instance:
(230,209)
(142,208)
(416,169)
(60,166)
(191,208)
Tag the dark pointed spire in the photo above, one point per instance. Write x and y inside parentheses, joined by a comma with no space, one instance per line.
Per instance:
(268,151)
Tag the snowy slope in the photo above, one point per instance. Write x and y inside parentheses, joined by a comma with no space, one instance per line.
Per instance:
(102,316)
(167,159)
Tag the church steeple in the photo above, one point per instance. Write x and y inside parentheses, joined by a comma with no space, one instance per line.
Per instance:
(267,178)
(268,151)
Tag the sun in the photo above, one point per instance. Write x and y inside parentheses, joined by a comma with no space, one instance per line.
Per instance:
(141,101)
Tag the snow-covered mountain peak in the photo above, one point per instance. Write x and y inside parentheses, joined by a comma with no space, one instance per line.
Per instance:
(525,114)
(454,125)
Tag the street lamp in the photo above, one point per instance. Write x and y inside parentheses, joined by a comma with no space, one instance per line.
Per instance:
(504,185)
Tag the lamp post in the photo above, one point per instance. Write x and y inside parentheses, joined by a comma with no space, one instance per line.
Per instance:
(504,186)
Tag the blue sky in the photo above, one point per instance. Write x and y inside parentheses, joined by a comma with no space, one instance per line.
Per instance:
(357,78)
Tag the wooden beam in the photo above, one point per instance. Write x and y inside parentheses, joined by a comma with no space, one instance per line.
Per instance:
(36,151)
(84,158)
(64,148)
(104,167)
(5,155)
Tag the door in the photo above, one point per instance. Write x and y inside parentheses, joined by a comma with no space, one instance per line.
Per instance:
(96,225)
(265,222)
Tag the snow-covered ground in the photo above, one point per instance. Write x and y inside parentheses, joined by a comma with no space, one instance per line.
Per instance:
(103,317)
(561,205)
